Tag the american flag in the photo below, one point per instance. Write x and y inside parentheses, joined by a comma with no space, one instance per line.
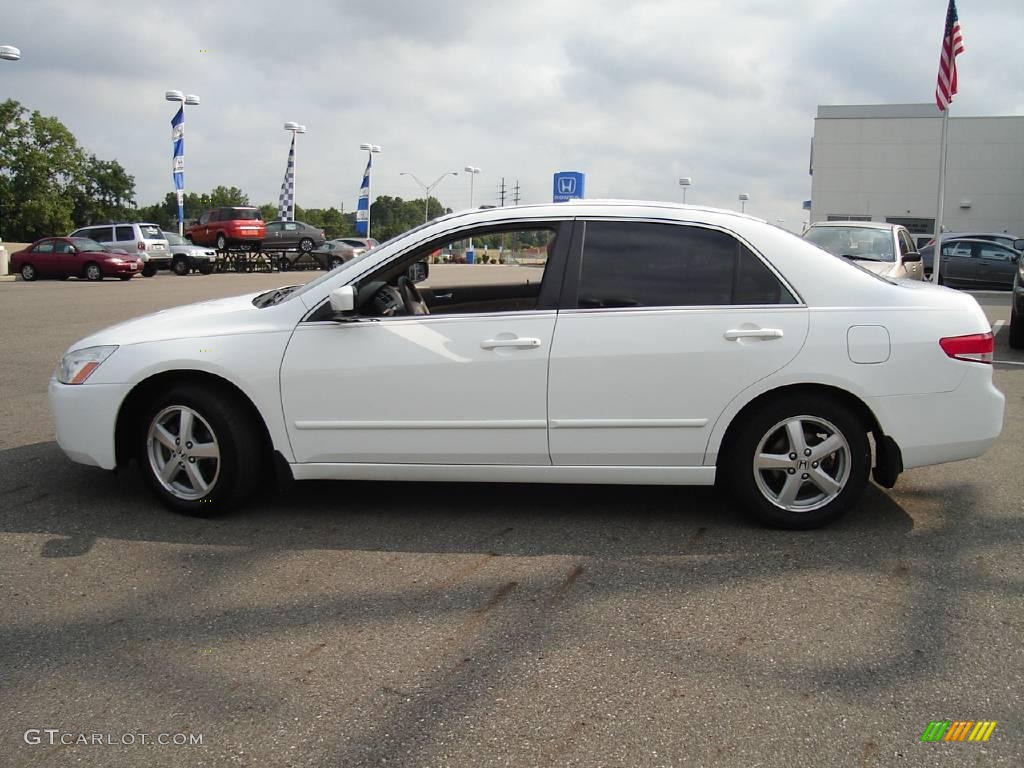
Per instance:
(952,46)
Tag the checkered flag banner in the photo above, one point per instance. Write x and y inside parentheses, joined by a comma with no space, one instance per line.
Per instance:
(363,205)
(286,203)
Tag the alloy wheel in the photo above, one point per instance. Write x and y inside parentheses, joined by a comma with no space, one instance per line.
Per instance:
(802,463)
(183,452)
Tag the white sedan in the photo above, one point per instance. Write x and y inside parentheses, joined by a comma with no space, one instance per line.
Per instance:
(614,342)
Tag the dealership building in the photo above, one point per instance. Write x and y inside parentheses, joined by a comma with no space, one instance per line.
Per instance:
(881,163)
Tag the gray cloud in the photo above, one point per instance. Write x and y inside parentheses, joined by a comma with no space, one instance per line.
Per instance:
(634,94)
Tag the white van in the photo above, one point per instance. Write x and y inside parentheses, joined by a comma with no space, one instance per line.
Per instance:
(146,241)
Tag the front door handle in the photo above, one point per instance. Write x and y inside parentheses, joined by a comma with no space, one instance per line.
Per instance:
(523,343)
(753,333)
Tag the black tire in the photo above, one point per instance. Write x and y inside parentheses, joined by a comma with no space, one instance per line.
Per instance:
(180,266)
(92,272)
(284,264)
(28,273)
(763,425)
(222,242)
(1016,330)
(335,262)
(306,244)
(233,430)
(206,269)
(125,277)
(148,269)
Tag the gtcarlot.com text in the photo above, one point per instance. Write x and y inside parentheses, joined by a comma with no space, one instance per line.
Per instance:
(55,736)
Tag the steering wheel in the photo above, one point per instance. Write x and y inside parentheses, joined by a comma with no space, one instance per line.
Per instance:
(411,298)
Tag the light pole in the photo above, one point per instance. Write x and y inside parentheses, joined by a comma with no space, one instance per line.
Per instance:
(9,53)
(472,170)
(743,201)
(289,174)
(178,139)
(427,189)
(363,206)
(685,182)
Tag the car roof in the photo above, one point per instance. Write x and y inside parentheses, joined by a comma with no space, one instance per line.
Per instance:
(1000,235)
(858,224)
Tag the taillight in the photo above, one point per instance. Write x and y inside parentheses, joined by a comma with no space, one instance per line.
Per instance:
(142,245)
(975,348)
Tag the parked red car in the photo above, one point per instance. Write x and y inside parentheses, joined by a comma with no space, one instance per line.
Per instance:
(229,225)
(65,257)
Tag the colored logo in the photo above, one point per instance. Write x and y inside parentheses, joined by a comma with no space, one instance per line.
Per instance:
(568,185)
(958,730)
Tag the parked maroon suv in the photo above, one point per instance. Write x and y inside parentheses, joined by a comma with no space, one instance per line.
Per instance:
(228,226)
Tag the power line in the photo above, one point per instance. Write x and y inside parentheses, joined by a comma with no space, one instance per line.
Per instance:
(515,193)
(501,191)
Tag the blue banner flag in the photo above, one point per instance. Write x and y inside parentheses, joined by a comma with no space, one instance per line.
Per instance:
(363,208)
(178,165)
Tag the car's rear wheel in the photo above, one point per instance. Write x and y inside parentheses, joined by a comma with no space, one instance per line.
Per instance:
(149,269)
(1016,329)
(199,451)
(92,272)
(222,242)
(28,273)
(125,277)
(305,245)
(180,266)
(336,261)
(284,264)
(799,462)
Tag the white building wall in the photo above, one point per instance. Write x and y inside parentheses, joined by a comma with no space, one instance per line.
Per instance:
(883,161)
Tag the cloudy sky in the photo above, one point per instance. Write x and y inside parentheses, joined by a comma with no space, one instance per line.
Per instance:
(633,94)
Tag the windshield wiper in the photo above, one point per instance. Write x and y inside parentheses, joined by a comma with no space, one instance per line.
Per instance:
(862,258)
(267,299)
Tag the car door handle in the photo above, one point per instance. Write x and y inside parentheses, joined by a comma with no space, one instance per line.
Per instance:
(753,333)
(524,343)
(443,295)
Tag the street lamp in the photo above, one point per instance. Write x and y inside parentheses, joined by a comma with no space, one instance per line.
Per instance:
(472,170)
(427,189)
(685,182)
(9,52)
(178,135)
(743,201)
(364,192)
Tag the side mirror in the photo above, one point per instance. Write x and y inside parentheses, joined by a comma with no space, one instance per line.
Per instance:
(343,299)
(910,258)
(418,272)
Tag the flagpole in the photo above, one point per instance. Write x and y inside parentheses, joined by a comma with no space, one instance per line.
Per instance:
(937,245)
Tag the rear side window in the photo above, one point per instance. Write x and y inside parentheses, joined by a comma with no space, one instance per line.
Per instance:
(636,264)
(125,233)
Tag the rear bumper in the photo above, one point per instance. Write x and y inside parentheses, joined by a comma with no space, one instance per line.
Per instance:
(945,426)
(85,416)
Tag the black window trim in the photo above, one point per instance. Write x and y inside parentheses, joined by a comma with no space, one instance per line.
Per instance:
(571,280)
(552,282)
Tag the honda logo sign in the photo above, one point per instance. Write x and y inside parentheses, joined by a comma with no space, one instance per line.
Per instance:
(568,185)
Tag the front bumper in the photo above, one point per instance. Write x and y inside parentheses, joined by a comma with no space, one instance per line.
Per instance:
(85,416)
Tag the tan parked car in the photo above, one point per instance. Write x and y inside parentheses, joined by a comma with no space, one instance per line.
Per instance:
(885,249)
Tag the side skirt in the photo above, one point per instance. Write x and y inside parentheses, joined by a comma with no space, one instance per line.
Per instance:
(490,473)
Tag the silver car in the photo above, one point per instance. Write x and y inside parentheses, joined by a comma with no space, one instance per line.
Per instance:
(185,256)
(146,241)
(885,249)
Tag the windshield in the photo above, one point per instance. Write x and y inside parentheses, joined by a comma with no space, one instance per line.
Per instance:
(175,239)
(862,243)
(85,244)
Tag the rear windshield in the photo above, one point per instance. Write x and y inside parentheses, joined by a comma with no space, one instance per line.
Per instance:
(861,243)
(239,214)
(151,232)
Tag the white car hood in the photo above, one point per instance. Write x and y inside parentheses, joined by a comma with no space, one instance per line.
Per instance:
(218,317)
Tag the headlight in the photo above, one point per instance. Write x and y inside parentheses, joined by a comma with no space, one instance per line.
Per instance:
(77,366)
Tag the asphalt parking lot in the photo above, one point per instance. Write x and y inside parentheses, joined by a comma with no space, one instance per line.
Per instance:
(437,624)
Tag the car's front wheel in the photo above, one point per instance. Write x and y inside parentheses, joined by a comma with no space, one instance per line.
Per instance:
(799,462)
(199,451)
(180,266)
(222,242)
(92,272)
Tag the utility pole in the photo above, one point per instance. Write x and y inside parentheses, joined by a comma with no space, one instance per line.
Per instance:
(515,193)
(501,191)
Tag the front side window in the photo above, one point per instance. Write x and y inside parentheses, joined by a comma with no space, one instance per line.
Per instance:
(636,264)
(101,234)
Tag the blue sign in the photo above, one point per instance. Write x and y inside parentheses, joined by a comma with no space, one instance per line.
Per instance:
(807,205)
(568,185)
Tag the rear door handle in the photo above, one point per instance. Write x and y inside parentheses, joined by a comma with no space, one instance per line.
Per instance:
(753,333)
(517,342)
(443,295)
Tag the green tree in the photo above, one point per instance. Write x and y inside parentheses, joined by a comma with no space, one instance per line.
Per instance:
(105,193)
(227,196)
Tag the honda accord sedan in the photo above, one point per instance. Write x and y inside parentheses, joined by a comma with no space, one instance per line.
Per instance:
(639,343)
